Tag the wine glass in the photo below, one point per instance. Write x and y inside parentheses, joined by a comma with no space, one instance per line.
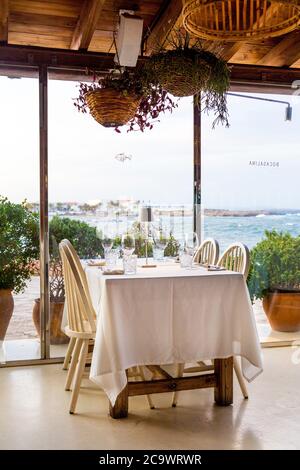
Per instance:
(128,244)
(191,242)
(160,240)
(107,243)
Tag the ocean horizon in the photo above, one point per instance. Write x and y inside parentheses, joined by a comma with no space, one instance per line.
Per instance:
(226,229)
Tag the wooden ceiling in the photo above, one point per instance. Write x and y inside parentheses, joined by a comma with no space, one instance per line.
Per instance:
(90,25)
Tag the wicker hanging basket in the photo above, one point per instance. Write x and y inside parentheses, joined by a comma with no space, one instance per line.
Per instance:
(110,107)
(180,72)
(240,20)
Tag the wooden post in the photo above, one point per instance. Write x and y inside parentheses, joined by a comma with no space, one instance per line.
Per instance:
(224,388)
(120,408)
(197,166)
(44,225)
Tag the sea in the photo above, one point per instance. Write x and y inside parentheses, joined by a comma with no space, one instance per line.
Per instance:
(226,229)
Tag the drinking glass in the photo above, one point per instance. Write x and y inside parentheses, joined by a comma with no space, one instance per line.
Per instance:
(186,260)
(160,240)
(191,243)
(128,244)
(111,258)
(107,243)
(129,264)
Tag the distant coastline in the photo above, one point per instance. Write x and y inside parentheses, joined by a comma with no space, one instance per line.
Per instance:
(248,213)
(130,210)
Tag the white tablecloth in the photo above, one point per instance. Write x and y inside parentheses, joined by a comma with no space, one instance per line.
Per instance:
(167,315)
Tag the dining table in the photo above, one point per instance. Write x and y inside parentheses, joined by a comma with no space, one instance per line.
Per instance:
(168,315)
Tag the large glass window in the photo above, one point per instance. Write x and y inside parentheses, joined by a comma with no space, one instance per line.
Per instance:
(101,178)
(250,186)
(19,205)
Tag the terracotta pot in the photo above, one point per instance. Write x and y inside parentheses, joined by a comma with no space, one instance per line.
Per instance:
(283,310)
(6,311)
(57,336)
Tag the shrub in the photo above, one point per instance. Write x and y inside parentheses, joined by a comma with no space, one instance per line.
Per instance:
(19,244)
(275,264)
(83,237)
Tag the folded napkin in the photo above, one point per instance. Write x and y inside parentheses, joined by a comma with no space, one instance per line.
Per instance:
(113,271)
(94,262)
(211,267)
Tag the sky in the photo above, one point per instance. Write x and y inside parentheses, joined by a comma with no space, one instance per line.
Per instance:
(82,164)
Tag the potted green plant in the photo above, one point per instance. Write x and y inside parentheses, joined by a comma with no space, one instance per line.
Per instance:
(18,250)
(184,68)
(132,98)
(274,277)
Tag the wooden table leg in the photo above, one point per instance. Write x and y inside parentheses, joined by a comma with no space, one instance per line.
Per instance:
(224,388)
(120,409)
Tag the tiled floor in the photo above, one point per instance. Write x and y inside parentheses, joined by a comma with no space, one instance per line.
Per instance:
(34,413)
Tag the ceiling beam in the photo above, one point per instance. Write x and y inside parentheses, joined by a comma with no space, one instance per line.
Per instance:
(163,25)
(230,50)
(86,24)
(285,53)
(4,12)
(67,63)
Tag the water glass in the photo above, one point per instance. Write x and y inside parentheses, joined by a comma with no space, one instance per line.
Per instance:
(111,258)
(158,253)
(186,260)
(129,264)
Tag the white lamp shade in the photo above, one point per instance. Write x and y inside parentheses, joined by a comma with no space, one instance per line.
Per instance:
(128,40)
(146,214)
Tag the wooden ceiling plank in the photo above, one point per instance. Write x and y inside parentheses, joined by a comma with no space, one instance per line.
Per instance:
(86,24)
(40,19)
(57,8)
(4,12)
(230,50)
(285,53)
(163,25)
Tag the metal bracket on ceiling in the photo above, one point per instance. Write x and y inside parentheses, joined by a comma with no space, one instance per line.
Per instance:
(128,12)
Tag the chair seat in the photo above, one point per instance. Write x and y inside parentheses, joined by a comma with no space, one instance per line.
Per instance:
(86,334)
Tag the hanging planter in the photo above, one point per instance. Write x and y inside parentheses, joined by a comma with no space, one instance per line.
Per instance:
(112,100)
(186,69)
(240,20)
(180,72)
(125,98)
(112,108)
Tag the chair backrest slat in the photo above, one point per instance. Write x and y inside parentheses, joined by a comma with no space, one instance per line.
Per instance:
(208,252)
(79,305)
(236,258)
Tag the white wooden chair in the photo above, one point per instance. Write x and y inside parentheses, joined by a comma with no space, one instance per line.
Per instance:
(208,252)
(81,318)
(235,258)
(71,344)
(81,323)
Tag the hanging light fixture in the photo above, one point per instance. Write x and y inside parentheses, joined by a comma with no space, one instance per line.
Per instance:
(240,20)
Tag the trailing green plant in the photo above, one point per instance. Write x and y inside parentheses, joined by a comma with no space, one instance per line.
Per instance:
(184,68)
(275,265)
(140,83)
(18,245)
